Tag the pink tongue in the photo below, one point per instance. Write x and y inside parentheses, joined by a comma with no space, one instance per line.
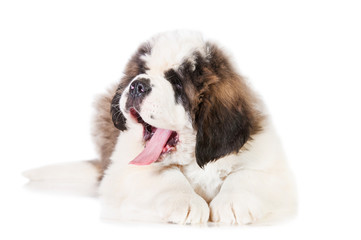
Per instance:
(153,148)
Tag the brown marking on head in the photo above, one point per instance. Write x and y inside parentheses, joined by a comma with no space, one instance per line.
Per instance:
(221,104)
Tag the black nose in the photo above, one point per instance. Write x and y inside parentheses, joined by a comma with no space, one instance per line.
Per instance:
(139,87)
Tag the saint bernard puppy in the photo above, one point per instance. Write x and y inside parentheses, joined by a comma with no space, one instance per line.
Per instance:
(184,139)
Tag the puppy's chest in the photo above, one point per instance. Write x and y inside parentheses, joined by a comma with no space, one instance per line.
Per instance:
(206,182)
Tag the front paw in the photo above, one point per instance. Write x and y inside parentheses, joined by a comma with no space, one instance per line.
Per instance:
(242,208)
(183,208)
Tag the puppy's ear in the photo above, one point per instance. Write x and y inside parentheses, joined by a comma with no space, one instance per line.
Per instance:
(117,115)
(225,118)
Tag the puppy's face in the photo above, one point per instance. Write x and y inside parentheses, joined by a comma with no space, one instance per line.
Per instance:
(151,97)
(176,81)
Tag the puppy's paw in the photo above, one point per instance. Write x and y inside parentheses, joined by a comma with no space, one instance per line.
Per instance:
(183,208)
(243,208)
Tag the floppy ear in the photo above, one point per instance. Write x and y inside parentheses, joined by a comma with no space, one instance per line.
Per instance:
(221,131)
(117,115)
(224,119)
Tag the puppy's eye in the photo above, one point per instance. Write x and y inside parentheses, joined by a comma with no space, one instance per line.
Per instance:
(178,85)
(174,79)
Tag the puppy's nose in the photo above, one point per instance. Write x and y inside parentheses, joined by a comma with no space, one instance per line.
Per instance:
(139,87)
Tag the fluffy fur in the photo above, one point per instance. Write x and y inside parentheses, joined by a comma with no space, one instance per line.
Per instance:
(227,164)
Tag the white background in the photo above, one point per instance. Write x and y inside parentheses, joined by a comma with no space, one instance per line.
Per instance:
(303,57)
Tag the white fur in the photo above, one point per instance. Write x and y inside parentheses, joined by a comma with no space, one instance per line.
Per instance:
(169,50)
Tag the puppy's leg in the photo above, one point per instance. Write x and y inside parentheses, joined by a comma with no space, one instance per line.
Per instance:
(249,196)
(151,193)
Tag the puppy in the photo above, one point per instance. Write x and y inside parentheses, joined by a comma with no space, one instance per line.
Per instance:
(182,138)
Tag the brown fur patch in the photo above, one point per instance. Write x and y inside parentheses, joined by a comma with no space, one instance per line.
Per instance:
(222,85)
(104,132)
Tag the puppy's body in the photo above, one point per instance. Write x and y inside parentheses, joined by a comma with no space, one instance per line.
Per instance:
(206,149)
(253,186)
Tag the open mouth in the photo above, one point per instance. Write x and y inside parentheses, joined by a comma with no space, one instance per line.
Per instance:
(157,141)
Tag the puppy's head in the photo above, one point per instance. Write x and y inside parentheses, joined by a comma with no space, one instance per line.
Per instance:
(178,81)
